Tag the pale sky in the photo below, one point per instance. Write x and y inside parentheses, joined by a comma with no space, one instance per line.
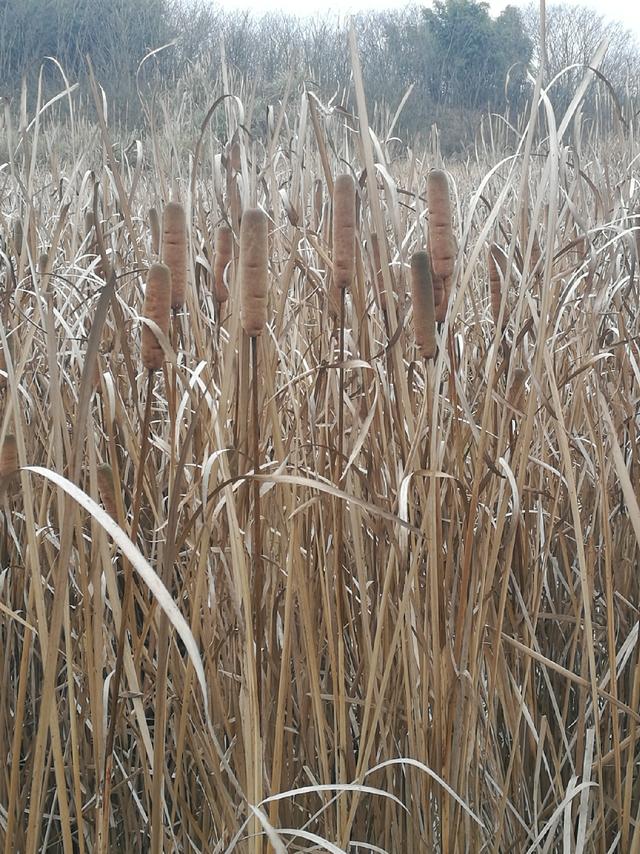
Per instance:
(626,11)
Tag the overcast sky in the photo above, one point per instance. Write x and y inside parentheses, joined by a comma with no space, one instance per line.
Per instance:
(626,11)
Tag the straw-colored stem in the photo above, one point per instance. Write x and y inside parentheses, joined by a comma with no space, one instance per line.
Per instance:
(257,532)
(339,687)
(126,607)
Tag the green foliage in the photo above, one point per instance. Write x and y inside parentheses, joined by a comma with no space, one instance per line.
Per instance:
(470,54)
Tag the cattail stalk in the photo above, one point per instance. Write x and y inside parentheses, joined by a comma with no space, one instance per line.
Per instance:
(253,269)
(157,308)
(344,264)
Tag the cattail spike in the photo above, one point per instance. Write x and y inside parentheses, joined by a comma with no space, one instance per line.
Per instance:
(344,230)
(154,225)
(107,489)
(8,457)
(423,304)
(441,241)
(157,304)
(174,250)
(253,266)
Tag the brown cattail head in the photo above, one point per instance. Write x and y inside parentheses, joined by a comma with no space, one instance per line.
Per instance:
(157,305)
(223,247)
(423,305)
(96,377)
(536,252)
(253,265)
(344,230)
(497,274)
(154,225)
(18,236)
(235,159)
(517,390)
(8,457)
(174,250)
(441,241)
(107,489)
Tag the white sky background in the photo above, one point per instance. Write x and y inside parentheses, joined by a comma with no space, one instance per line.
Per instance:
(626,11)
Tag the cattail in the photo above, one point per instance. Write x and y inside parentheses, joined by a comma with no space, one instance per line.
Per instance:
(344,230)
(423,305)
(43,262)
(157,302)
(154,225)
(497,274)
(253,271)
(235,161)
(96,377)
(223,248)
(517,389)
(174,250)
(18,237)
(8,457)
(107,489)
(535,251)
(441,241)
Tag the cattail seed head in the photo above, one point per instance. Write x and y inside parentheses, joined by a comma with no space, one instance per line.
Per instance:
(441,241)
(18,237)
(344,230)
(253,265)
(9,457)
(157,307)
(174,250)
(223,246)
(154,225)
(517,390)
(107,489)
(423,304)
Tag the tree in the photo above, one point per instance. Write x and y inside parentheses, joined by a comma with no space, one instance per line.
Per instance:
(573,34)
(470,54)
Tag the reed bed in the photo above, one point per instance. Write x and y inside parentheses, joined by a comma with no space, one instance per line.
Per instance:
(366,586)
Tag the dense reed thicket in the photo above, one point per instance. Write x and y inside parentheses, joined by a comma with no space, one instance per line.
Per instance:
(294,565)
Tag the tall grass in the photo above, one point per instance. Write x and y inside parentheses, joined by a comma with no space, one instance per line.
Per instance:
(474,682)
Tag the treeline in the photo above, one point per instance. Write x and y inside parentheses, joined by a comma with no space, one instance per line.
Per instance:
(459,61)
